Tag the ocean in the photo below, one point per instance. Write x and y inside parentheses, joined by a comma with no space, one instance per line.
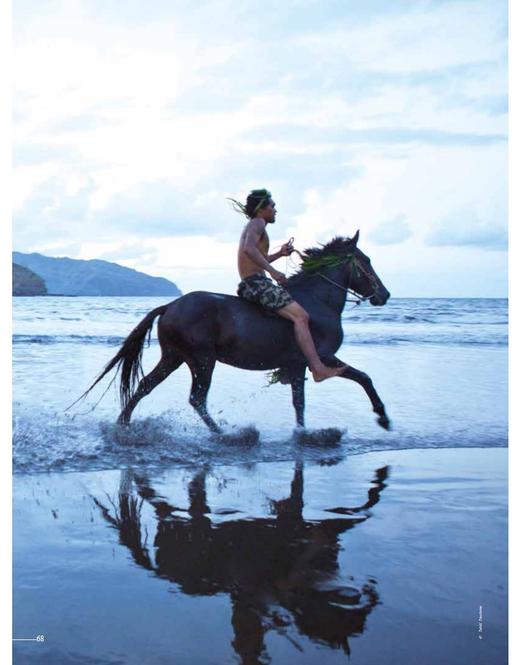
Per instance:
(159,543)
(439,365)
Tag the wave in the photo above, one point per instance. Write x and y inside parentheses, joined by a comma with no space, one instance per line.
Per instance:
(363,338)
(390,318)
(70,339)
(426,339)
(373,319)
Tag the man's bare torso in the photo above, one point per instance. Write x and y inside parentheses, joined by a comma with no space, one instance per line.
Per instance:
(246,266)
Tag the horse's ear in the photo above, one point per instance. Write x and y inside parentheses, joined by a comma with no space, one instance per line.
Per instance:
(355,238)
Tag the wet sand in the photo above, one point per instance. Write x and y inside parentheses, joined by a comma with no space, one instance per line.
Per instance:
(391,557)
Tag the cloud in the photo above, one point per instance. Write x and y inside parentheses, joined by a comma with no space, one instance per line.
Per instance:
(391,232)
(43,153)
(130,252)
(55,209)
(465,229)
(493,104)
(134,126)
(420,38)
(59,249)
(316,140)
(79,123)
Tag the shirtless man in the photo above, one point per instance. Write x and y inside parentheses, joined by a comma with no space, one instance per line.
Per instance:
(254,261)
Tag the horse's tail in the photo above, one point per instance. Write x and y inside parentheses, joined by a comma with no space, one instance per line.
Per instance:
(129,358)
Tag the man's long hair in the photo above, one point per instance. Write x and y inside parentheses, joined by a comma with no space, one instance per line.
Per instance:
(257,199)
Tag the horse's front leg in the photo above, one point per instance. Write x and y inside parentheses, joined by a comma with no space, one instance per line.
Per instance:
(366,383)
(298,396)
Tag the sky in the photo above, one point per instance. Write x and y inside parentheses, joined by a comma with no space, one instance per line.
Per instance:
(134,121)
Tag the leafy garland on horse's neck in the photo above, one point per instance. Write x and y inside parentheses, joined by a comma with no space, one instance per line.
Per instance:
(335,253)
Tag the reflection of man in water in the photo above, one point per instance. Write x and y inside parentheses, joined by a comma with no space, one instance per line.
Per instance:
(254,261)
(279,571)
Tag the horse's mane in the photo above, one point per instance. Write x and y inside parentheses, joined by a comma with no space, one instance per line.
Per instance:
(324,256)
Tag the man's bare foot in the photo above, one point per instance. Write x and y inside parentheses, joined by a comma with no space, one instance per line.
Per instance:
(328,372)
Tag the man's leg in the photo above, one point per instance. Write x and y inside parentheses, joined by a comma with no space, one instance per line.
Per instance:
(295,313)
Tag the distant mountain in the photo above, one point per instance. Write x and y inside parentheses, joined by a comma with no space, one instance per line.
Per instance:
(73,277)
(26,282)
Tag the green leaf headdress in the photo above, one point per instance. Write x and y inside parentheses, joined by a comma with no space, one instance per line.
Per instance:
(262,195)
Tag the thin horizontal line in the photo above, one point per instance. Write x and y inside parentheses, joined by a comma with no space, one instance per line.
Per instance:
(24,639)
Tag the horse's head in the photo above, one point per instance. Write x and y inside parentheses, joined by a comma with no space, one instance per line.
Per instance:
(352,271)
(361,277)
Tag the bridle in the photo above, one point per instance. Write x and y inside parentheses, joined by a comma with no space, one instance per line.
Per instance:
(357,297)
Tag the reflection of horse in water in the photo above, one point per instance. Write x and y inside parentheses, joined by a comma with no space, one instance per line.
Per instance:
(280,571)
(202,328)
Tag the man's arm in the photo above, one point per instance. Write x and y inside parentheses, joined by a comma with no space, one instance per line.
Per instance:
(285,250)
(274,257)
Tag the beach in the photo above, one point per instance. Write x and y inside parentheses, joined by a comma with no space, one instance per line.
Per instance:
(395,556)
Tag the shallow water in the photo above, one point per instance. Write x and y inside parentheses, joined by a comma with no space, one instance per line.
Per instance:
(163,545)
(440,366)
(384,557)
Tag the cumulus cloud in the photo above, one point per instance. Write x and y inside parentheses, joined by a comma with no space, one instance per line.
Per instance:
(129,253)
(55,210)
(466,229)
(391,232)
(137,124)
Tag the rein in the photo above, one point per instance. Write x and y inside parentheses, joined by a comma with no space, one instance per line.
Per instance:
(357,297)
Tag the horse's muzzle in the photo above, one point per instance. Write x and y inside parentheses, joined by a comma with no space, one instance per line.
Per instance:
(380,297)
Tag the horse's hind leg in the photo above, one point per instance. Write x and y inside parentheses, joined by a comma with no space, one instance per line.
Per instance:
(201,372)
(166,365)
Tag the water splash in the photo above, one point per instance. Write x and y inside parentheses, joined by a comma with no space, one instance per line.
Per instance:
(50,441)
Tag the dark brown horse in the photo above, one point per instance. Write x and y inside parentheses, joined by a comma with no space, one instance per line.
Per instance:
(202,328)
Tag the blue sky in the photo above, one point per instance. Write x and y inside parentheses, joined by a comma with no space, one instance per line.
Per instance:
(134,121)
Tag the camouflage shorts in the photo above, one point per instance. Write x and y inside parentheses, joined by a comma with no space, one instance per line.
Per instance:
(260,289)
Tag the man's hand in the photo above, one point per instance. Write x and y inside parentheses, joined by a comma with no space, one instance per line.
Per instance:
(279,277)
(287,249)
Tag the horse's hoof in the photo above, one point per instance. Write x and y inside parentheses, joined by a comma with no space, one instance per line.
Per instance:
(247,436)
(319,437)
(384,421)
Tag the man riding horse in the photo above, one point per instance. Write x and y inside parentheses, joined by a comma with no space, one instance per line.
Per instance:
(202,328)
(254,261)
